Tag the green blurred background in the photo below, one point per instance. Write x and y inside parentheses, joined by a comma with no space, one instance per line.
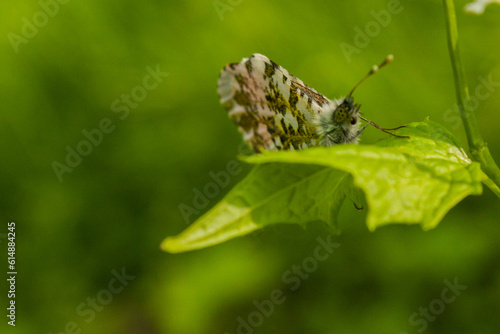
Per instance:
(113,209)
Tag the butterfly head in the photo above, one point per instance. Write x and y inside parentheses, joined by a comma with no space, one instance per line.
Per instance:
(347,112)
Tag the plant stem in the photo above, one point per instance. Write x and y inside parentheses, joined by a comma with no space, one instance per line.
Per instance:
(477,146)
(493,187)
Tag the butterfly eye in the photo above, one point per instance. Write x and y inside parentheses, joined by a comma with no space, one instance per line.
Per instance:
(353,121)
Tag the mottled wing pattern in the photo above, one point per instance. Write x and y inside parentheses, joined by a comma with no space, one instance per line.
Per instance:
(273,109)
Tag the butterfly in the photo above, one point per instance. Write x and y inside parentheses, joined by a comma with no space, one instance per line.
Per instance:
(275,110)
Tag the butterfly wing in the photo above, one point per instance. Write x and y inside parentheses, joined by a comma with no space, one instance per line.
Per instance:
(273,109)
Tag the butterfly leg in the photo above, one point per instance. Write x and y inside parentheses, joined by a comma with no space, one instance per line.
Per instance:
(381,128)
(357,134)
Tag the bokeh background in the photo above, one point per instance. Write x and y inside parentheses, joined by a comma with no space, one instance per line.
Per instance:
(110,213)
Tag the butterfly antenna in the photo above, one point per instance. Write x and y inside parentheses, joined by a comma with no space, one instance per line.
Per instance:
(374,70)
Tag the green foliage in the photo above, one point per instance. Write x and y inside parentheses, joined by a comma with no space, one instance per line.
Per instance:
(116,207)
(270,194)
(413,181)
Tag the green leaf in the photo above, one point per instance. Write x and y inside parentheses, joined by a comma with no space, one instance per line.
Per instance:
(270,194)
(412,181)
(416,180)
